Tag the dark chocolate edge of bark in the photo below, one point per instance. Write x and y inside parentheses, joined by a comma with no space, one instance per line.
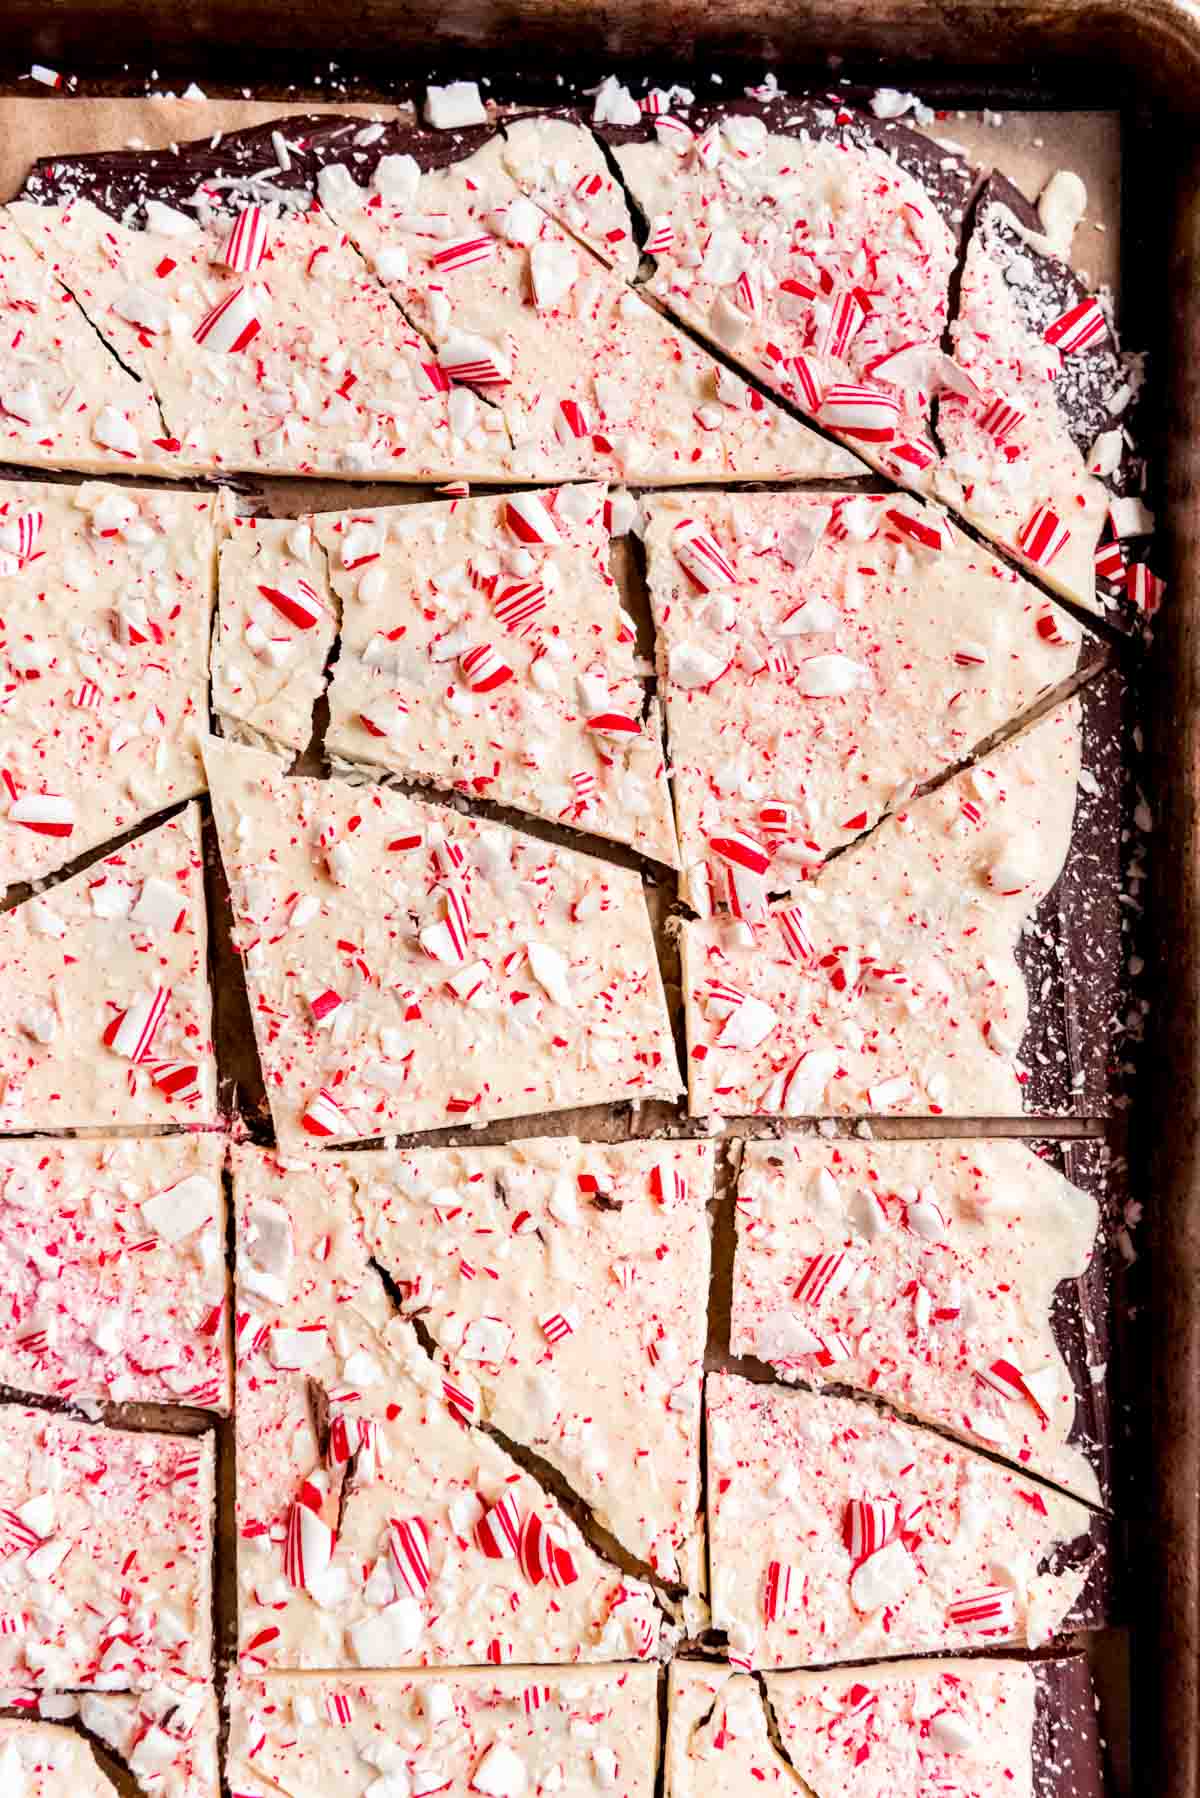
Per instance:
(1096,1549)
(119,182)
(1081,1311)
(1066,1754)
(946,175)
(1057,288)
(1072,951)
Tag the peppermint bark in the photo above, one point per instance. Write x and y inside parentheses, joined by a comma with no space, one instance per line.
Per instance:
(568,1281)
(110,1014)
(981,1728)
(88,1604)
(112,1257)
(65,400)
(1038,460)
(558,162)
(839,1533)
(106,595)
(821,658)
(897,983)
(816,247)
(484,649)
(410,968)
(537,1729)
(268,345)
(958,1281)
(377,1527)
(588,378)
(276,623)
(165,1738)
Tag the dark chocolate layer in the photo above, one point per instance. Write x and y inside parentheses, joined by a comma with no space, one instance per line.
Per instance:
(120,182)
(1072,953)
(1067,1758)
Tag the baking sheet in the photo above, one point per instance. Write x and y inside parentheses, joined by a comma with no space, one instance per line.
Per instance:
(1030,146)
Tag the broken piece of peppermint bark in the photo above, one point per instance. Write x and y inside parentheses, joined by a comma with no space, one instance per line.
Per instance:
(837,1532)
(558,162)
(65,400)
(979,1728)
(112,1260)
(568,1280)
(959,1280)
(106,595)
(411,968)
(484,649)
(820,657)
(816,247)
(588,378)
(164,1739)
(106,1581)
(242,305)
(276,623)
(964,959)
(1039,457)
(504,1732)
(110,1016)
(378,1527)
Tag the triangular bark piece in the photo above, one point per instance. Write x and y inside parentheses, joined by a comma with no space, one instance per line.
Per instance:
(110,1016)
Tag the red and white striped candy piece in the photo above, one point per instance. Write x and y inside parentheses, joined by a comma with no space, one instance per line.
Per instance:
(19,535)
(823,1275)
(794,930)
(1143,589)
(992,1609)
(867,1523)
(530,519)
(299,604)
(674,132)
(231,325)
(555,1326)
(736,849)
(533,1698)
(667,1184)
(807,381)
(542,1554)
(1052,627)
(619,727)
(385,716)
(308,1544)
(1006,1378)
(178,1081)
(498,1532)
(928,530)
(1000,418)
(323,1116)
(911,453)
(473,360)
(517,603)
(1110,561)
(573,421)
(87,696)
(408,1545)
(48,814)
(499,1652)
(339,1708)
(246,244)
(777,1592)
(463,252)
(460,1402)
(483,669)
(661,236)
(867,414)
(1043,536)
(846,318)
(16,1536)
(132,1032)
(1078,327)
(701,556)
